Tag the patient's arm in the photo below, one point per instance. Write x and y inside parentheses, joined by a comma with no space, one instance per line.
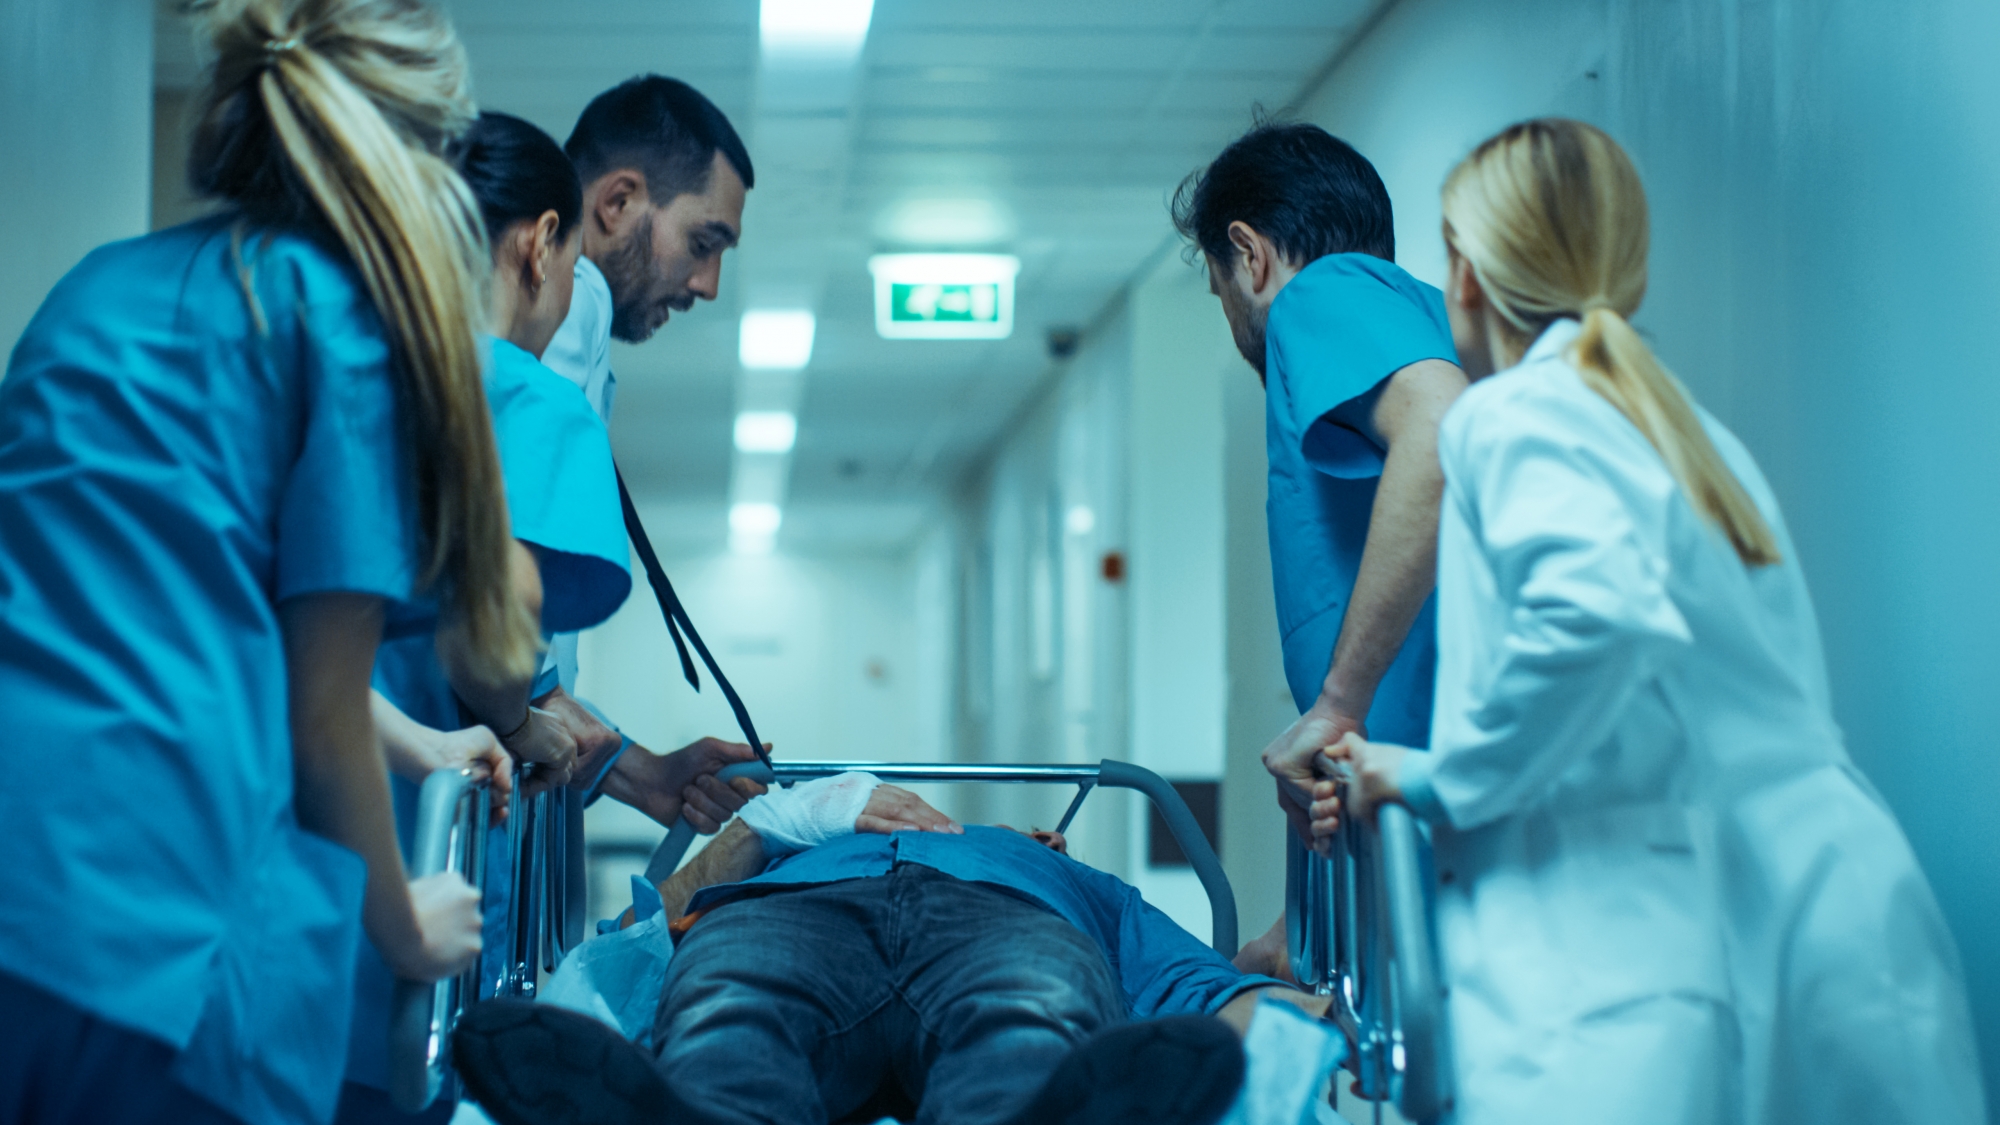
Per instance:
(733,856)
(738,853)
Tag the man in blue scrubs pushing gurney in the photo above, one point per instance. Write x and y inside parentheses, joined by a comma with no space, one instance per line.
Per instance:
(845,951)
(1358,369)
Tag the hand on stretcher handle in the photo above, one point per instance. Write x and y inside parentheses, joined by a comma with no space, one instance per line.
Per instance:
(415,1045)
(668,855)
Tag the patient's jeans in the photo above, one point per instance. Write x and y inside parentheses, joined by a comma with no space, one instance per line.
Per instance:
(791,1009)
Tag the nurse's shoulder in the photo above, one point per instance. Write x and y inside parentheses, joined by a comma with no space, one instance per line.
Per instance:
(522,391)
(1348,293)
(1541,410)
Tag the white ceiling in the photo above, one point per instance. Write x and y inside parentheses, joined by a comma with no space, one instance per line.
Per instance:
(1066,122)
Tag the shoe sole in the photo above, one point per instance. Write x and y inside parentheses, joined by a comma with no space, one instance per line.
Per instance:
(1181,1070)
(535,1064)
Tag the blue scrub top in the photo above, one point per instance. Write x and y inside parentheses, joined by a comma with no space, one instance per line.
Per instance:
(562,498)
(562,492)
(1336,332)
(170,472)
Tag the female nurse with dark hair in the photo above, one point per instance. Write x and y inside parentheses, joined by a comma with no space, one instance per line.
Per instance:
(562,502)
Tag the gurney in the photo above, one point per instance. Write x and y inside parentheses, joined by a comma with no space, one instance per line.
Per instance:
(1358,922)
(1358,927)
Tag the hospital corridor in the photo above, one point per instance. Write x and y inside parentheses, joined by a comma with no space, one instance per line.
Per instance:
(999,562)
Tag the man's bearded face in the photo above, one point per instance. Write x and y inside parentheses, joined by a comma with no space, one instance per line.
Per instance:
(645,290)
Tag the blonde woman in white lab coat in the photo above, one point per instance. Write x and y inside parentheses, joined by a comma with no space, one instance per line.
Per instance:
(1665,893)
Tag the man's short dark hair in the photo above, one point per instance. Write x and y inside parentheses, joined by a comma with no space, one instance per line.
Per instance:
(1300,186)
(662,127)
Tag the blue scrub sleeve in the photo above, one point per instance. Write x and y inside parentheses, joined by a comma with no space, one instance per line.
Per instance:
(347,517)
(1336,333)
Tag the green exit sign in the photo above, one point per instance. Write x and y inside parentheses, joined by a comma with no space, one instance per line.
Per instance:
(927,301)
(944,296)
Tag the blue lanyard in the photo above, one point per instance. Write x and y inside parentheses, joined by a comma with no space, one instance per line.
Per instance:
(678,623)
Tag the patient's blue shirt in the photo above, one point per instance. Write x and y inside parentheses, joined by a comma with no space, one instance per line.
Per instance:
(1162,968)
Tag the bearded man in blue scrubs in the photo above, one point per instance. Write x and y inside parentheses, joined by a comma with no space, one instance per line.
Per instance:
(1358,369)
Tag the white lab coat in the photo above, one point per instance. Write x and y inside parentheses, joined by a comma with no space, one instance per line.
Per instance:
(1666,895)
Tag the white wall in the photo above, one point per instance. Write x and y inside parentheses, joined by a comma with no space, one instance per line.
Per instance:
(835,655)
(1157,426)
(1186,527)
(1045,642)
(1822,177)
(76,124)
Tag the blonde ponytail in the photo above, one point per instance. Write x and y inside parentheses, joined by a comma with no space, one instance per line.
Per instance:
(332,114)
(1551,216)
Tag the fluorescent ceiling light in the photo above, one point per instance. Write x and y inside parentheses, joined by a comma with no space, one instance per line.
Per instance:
(814,28)
(753,528)
(756,519)
(766,431)
(947,222)
(776,339)
(944,296)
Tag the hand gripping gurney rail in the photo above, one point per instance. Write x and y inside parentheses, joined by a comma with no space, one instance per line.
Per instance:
(1358,930)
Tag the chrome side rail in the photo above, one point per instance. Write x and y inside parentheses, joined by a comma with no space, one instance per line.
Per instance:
(1359,931)
(451,836)
(1107,773)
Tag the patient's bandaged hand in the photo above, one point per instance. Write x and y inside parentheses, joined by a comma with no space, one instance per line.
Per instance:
(809,813)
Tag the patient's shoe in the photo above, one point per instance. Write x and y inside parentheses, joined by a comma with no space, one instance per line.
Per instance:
(1179,1070)
(536,1064)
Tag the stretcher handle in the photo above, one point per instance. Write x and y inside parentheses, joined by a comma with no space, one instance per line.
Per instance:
(416,1043)
(1419,992)
(1358,926)
(667,857)
(1107,773)
(1187,833)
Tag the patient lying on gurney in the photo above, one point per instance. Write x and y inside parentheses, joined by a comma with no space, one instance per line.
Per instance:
(826,969)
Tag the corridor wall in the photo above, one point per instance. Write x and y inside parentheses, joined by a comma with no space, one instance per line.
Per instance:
(1822,178)
(1044,633)
(76,123)
(1147,446)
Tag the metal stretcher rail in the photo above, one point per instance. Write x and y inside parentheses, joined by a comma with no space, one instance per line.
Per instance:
(1358,930)
(1358,924)
(452,820)
(1109,773)
(544,919)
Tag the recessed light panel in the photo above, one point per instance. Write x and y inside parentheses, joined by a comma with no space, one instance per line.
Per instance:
(766,431)
(776,339)
(817,29)
(753,528)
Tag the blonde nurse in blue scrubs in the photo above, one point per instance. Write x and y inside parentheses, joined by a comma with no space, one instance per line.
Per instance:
(234,456)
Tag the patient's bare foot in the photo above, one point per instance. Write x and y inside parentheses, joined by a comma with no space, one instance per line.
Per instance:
(1269,955)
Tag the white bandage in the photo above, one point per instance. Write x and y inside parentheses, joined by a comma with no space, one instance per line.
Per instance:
(809,813)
